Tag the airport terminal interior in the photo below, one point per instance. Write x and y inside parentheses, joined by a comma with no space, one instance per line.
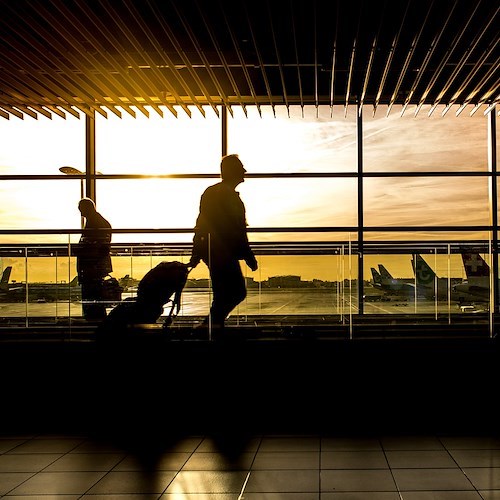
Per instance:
(363,362)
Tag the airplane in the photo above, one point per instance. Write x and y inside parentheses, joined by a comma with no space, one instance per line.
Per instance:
(37,292)
(4,282)
(476,288)
(429,285)
(384,280)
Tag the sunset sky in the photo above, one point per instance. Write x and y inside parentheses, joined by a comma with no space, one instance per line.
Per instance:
(315,142)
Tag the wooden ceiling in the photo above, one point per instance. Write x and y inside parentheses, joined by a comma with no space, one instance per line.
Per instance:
(60,57)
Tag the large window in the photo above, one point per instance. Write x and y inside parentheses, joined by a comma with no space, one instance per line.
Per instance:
(308,177)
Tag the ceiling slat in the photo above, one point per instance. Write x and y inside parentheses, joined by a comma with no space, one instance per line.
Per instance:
(389,60)
(13,111)
(430,51)
(408,60)
(166,59)
(278,58)
(203,58)
(222,58)
(181,54)
(295,45)
(464,59)
(31,89)
(152,65)
(59,80)
(77,57)
(241,60)
(443,62)
(259,58)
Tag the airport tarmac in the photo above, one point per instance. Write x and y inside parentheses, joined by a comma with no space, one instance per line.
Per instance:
(284,302)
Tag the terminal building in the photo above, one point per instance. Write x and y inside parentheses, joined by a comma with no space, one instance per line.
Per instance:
(363,361)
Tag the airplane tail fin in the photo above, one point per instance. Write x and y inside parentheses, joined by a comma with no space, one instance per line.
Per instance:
(384,273)
(377,279)
(4,282)
(424,274)
(475,265)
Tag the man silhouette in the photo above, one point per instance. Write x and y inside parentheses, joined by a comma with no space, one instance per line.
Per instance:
(93,259)
(221,241)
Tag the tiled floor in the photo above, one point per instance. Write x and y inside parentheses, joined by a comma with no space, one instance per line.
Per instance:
(269,467)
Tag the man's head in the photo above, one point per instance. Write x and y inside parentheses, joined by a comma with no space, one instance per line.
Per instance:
(232,169)
(86,207)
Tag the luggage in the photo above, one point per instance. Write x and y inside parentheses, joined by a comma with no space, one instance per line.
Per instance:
(160,285)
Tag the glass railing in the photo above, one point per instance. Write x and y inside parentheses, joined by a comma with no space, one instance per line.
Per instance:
(313,287)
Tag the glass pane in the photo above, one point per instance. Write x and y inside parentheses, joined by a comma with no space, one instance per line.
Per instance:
(150,203)
(441,285)
(315,142)
(408,143)
(426,201)
(428,236)
(287,286)
(40,204)
(41,146)
(157,145)
(174,203)
(39,286)
(300,202)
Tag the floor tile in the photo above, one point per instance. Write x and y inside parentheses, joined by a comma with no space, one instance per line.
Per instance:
(441,495)
(431,479)
(47,446)
(11,480)
(166,461)
(411,443)
(90,446)
(218,461)
(470,442)
(188,444)
(200,496)
(231,445)
(9,444)
(281,496)
(84,462)
(362,495)
(353,460)
(490,494)
(27,463)
(208,482)
(59,483)
(350,444)
(476,458)
(290,444)
(45,497)
(274,460)
(484,478)
(133,482)
(357,480)
(420,459)
(125,496)
(284,481)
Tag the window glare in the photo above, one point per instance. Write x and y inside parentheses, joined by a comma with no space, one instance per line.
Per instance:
(276,142)
(157,145)
(41,147)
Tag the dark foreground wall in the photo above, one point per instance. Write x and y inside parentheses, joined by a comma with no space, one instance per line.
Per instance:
(152,385)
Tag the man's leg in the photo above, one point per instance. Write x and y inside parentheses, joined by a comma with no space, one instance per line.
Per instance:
(228,286)
(93,308)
